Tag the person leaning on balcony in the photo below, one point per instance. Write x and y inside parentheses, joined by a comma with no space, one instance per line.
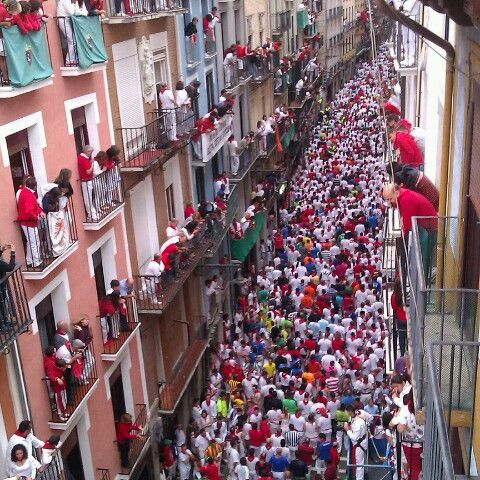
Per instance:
(85,171)
(63,180)
(168,106)
(409,151)
(7,307)
(50,449)
(29,215)
(125,433)
(23,436)
(22,466)
(172,228)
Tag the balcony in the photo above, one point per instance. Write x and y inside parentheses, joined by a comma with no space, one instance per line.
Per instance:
(14,312)
(26,64)
(171,392)
(117,330)
(192,50)
(405,49)
(231,76)
(260,69)
(129,11)
(210,48)
(83,47)
(348,25)
(53,470)
(447,369)
(157,141)
(103,474)
(48,244)
(438,312)
(210,143)
(247,157)
(79,391)
(280,22)
(103,198)
(156,293)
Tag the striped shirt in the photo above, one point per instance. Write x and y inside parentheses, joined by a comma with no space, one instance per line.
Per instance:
(292,438)
(332,384)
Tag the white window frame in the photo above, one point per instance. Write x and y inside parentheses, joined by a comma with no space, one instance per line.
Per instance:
(107,245)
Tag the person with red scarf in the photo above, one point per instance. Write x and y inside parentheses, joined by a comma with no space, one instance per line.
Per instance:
(410,152)
(125,434)
(211,469)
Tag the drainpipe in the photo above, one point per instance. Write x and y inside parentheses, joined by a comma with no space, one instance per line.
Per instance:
(419,29)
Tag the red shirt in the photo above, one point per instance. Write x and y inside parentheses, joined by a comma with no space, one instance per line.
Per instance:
(84,164)
(124,431)
(211,471)
(409,151)
(399,311)
(257,438)
(28,208)
(171,249)
(413,204)
(305,453)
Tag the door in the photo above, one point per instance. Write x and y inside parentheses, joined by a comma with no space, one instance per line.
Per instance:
(99,274)
(46,321)
(144,221)
(160,68)
(80,131)
(19,157)
(210,90)
(72,457)
(200,184)
(117,394)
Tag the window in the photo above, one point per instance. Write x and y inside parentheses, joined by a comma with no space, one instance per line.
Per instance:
(170,202)
(80,130)
(160,68)
(250,41)
(210,90)
(45,321)
(242,119)
(20,157)
(99,273)
(200,184)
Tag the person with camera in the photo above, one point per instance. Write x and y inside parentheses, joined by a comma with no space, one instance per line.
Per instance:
(7,308)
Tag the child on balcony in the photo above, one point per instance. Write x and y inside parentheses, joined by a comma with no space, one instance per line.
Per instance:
(59,387)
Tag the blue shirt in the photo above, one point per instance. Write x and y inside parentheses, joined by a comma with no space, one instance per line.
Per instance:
(322,325)
(323,450)
(278,464)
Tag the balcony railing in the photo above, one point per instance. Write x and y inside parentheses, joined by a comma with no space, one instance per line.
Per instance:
(405,45)
(155,293)
(210,47)
(170,392)
(80,51)
(102,195)
(231,76)
(247,158)
(136,445)
(445,394)
(117,328)
(35,45)
(130,8)
(103,474)
(79,380)
(192,50)
(348,25)
(53,470)
(157,141)
(14,312)
(280,22)
(210,143)
(260,68)
(50,240)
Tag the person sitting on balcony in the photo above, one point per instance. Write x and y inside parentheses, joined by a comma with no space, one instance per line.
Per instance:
(29,215)
(168,106)
(23,436)
(22,466)
(170,250)
(85,171)
(7,306)
(125,433)
(184,113)
(172,228)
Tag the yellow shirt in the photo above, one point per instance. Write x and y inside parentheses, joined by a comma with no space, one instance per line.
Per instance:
(270,369)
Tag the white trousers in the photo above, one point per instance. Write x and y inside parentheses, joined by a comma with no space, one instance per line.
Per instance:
(32,257)
(87,192)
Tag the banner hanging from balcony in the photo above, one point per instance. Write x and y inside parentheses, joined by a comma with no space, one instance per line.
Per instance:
(28,59)
(302,18)
(241,248)
(89,40)
(288,137)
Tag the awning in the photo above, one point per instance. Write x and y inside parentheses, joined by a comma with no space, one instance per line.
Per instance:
(241,248)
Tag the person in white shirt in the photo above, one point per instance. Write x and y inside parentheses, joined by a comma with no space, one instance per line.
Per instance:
(65,10)
(151,277)
(184,113)
(168,105)
(233,154)
(185,457)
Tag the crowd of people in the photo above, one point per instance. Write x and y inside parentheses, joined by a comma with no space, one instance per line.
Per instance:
(301,376)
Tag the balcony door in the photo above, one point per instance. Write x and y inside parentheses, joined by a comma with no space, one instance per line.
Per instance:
(160,67)
(99,273)
(117,394)
(80,130)
(72,457)
(45,315)
(20,158)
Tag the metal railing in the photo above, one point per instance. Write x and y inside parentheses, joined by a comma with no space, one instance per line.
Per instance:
(103,474)
(310,30)
(51,238)
(246,158)
(158,139)
(78,382)
(14,313)
(348,25)
(280,22)
(210,46)
(231,75)
(102,195)
(137,444)
(406,44)
(117,328)
(68,41)
(192,49)
(445,394)
(121,8)
(259,67)
(53,470)
(280,83)
(155,293)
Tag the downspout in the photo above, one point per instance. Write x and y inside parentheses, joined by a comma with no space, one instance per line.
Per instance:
(419,29)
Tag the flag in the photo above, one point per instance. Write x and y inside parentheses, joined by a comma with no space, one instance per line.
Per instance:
(89,40)
(28,59)
(278,141)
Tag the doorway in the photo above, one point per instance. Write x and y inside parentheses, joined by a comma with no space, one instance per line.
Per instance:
(20,158)
(99,274)
(72,457)
(46,321)
(117,394)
